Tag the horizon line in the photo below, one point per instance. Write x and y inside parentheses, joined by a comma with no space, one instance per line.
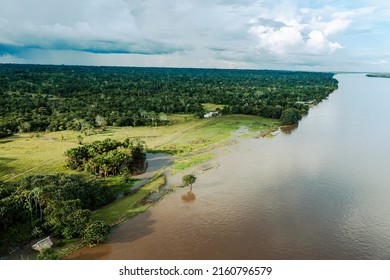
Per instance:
(184,67)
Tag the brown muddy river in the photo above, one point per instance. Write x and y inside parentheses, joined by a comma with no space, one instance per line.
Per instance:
(320,192)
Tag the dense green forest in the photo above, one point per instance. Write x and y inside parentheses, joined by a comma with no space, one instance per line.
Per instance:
(52,98)
(59,205)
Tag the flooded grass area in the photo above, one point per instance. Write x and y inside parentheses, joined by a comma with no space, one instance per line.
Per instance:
(190,161)
(129,206)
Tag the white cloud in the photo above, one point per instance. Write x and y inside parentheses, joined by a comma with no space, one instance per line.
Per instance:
(278,41)
(212,33)
(335,26)
(302,31)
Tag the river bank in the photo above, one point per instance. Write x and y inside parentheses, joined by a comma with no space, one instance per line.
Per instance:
(173,187)
(318,193)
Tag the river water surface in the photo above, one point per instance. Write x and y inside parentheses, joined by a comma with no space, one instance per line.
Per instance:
(321,192)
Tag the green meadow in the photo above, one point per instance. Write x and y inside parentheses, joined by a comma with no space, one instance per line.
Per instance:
(43,153)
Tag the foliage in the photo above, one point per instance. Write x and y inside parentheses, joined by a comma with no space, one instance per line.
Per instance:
(61,187)
(55,98)
(57,204)
(96,232)
(66,218)
(48,254)
(290,116)
(106,158)
(188,180)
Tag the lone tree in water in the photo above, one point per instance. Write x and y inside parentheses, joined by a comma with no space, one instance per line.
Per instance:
(188,180)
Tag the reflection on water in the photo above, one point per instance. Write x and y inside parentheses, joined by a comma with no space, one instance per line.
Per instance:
(321,192)
(139,166)
(288,129)
(154,162)
(188,196)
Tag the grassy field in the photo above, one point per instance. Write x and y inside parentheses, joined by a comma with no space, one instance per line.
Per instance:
(25,154)
(211,107)
(43,153)
(186,162)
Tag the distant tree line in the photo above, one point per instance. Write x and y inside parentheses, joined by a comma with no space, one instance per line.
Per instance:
(108,157)
(58,205)
(53,98)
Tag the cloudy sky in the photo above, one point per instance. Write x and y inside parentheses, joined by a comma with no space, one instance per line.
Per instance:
(279,34)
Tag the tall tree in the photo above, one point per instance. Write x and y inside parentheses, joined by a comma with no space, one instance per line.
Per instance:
(290,116)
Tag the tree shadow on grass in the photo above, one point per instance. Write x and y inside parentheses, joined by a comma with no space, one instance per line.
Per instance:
(4,141)
(9,139)
(4,168)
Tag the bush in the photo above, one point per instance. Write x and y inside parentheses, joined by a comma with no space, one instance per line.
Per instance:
(96,232)
(47,254)
(290,116)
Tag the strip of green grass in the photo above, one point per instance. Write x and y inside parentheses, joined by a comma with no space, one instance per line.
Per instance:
(187,162)
(129,206)
(211,107)
(211,131)
(119,184)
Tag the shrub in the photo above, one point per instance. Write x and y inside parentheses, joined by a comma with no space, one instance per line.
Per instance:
(290,116)
(96,232)
(47,254)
